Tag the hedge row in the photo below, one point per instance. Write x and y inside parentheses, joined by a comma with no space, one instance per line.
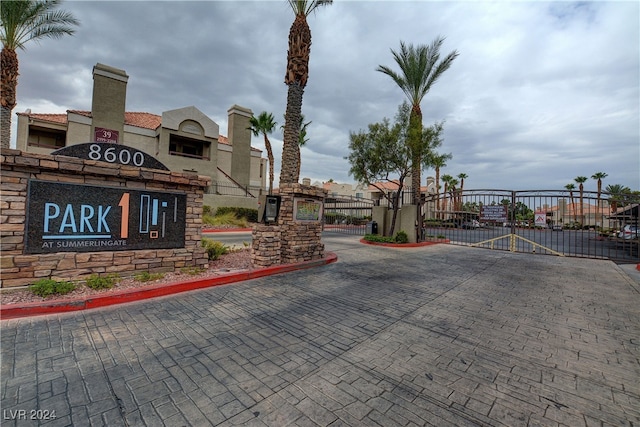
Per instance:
(251,215)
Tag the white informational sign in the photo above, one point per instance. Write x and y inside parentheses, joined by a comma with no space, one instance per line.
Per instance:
(494,213)
(541,219)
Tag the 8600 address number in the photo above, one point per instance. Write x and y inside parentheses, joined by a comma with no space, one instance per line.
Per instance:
(111,155)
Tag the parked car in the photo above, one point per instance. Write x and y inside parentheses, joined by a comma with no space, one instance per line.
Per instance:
(556,227)
(471,224)
(629,232)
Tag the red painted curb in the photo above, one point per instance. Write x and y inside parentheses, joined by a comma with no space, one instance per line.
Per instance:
(402,245)
(14,311)
(638,266)
(225,230)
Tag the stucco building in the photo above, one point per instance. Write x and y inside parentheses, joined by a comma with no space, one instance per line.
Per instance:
(184,139)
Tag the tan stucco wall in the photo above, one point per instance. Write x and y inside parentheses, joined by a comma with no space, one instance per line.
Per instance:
(218,201)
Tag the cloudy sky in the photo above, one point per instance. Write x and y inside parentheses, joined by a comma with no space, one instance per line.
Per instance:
(541,92)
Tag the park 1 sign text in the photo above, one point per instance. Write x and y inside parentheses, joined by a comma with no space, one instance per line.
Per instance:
(83,218)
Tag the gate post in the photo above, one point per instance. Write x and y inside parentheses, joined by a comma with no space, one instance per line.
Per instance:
(513,216)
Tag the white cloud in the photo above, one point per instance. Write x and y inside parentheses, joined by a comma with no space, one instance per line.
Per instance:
(541,92)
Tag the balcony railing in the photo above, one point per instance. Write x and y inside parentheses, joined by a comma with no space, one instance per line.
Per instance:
(191,156)
(228,188)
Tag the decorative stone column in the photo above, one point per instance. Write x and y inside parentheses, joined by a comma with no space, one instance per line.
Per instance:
(297,235)
(301,210)
(265,246)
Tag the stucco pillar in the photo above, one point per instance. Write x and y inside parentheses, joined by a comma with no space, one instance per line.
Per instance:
(240,139)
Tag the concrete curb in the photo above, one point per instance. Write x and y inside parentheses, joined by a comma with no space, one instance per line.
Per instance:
(403,245)
(14,311)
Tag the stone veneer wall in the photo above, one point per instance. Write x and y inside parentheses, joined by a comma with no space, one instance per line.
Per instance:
(19,269)
(289,241)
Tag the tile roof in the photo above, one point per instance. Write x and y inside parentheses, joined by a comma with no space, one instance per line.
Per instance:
(137,119)
(393,185)
(54,118)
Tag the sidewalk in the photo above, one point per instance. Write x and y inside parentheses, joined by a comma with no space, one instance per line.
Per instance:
(440,335)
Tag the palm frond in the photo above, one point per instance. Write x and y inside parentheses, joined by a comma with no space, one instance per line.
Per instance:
(305,7)
(27,20)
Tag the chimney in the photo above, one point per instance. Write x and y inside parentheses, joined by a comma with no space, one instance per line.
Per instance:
(240,140)
(306,181)
(108,105)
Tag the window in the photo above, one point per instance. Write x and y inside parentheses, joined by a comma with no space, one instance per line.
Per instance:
(186,147)
(46,138)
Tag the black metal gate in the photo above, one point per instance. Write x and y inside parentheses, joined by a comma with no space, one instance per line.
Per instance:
(563,223)
(347,214)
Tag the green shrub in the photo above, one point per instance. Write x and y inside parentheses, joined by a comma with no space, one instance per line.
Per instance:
(206,210)
(378,238)
(145,276)
(45,287)
(441,236)
(250,215)
(401,237)
(214,248)
(192,270)
(228,218)
(102,282)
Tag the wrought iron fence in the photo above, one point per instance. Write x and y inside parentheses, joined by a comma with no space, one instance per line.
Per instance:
(346,214)
(228,188)
(580,224)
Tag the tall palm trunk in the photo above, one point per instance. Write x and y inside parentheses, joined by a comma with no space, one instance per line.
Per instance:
(267,145)
(444,200)
(415,129)
(599,212)
(296,78)
(9,83)
(290,149)
(581,187)
(573,207)
(438,214)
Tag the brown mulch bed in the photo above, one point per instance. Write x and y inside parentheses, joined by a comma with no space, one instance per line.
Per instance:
(231,262)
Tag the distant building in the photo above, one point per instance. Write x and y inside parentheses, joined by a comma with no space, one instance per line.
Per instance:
(184,140)
(370,192)
(569,213)
(335,189)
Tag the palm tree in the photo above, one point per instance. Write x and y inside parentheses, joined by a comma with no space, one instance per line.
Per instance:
(446,178)
(581,180)
(439,161)
(616,194)
(599,176)
(420,68)
(302,140)
(296,80)
(264,124)
(23,21)
(453,183)
(462,176)
(572,187)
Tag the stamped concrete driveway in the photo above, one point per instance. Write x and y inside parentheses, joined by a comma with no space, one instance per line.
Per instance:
(440,335)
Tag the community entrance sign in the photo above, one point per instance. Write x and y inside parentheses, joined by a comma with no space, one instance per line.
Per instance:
(111,153)
(84,218)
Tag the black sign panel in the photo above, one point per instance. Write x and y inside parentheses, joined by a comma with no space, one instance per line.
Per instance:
(84,218)
(111,153)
